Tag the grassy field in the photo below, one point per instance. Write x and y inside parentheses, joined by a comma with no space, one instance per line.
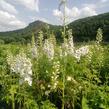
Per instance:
(45,75)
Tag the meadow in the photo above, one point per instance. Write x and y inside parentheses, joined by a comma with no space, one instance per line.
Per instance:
(46,75)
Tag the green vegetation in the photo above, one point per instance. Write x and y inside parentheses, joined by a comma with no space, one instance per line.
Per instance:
(82,29)
(23,36)
(85,29)
(31,76)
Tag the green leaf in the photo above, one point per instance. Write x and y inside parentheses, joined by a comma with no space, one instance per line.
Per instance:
(84,103)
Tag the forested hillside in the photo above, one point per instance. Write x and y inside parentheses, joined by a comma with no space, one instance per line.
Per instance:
(83,30)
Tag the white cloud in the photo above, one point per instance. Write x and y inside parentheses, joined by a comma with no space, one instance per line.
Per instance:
(9,19)
(76,13)
(104,1)
(40,19)
(30,4)
(7,7)
(57,13)
(91,6)
(9,22)
(87,11)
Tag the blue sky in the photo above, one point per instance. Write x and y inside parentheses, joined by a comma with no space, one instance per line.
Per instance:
(16,14)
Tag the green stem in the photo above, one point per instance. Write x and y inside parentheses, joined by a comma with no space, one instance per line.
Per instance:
(13,101)
(20,101)
(19,105)
(64,32)
(63,91)
(24,103)
(73,104)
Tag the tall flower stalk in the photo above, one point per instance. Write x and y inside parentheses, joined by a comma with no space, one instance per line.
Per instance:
(64,21)
(63,2)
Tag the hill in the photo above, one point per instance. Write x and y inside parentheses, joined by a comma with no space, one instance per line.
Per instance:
(83,29)
(23,35)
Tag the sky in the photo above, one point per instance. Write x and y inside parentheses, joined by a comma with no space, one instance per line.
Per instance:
(16,14)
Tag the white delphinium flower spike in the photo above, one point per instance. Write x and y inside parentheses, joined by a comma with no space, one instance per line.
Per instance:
(55,74)
(34,51)
(22,65)
(82,51)
(65,47)
(99,36)
(68,45)
(70,42)
(49,48)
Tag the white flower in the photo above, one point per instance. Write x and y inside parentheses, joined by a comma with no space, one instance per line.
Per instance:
(55,85)
(60,51)
(65,48)
(69,78)
(74,81)
(80,87)
(77,55)
(70,42)
(34,51)
(55,74)
(49,49)
(22,65)
(68,45)
(84,50)
(47,92)
(28,79)
(81,52)
(49,86)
